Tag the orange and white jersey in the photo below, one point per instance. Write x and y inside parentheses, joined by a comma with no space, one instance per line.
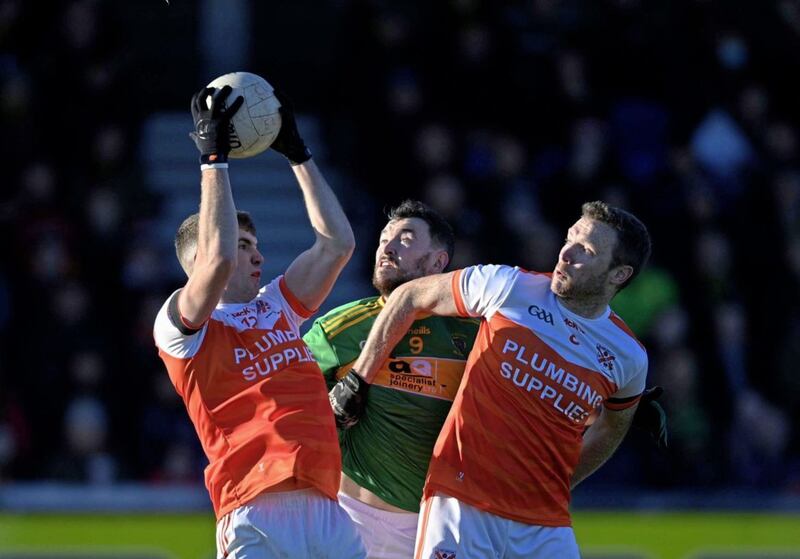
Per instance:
(256,396)
(535,374)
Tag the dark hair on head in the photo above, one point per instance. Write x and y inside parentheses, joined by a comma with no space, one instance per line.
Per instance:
(186,237)
(633,241)
(441,232)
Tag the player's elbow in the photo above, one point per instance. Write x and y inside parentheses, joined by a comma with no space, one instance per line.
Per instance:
(340,248)
(412,295)
(346,243)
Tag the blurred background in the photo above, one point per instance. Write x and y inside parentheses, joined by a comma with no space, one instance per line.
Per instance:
(504,116)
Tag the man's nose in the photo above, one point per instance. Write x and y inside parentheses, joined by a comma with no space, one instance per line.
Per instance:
(390,247)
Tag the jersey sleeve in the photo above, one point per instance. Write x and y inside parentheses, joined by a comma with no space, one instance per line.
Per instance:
(482,290)
(172,335)
(278,292)
(324,353)
(630,393)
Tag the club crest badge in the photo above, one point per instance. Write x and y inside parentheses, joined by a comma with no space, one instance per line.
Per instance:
(460,343)
(605,357)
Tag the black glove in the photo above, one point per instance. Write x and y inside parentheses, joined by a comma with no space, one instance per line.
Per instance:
(651,418)
(348,399)
(212,125)
(288,141)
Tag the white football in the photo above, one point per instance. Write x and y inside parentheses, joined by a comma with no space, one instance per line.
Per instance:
(257,122)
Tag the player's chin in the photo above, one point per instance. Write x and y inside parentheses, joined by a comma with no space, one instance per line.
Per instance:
(385,284)
(386,273)
(559,287)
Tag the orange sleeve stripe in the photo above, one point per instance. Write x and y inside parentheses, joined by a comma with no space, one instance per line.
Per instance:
(459,300)
(294,302)
(618,404)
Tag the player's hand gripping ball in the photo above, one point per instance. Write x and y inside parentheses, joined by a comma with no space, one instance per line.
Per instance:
(255,126)
(212,116)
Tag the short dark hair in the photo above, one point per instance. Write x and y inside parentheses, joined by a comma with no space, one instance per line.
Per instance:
(441,231)
(633,241)
(186,237)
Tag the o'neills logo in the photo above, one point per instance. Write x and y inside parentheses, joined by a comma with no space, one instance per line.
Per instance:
(419,331)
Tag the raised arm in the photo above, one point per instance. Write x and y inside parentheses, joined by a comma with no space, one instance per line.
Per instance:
(312,274)
(601,440)
(430,295)
(215,259)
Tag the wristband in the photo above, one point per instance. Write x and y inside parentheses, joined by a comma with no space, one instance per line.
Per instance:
(206,166)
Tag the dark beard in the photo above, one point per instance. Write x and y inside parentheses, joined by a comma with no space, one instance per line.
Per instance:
(385,285)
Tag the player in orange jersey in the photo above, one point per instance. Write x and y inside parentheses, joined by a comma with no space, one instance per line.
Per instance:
(549,354)
(233,351)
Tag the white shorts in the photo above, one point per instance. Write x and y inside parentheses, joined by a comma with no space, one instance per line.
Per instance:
(450,529)
(386,535)
(301,524)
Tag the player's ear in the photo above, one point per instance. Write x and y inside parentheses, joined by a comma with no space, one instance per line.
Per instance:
(620,274)
(441,261)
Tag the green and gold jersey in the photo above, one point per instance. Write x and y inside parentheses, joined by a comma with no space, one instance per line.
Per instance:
(388,450)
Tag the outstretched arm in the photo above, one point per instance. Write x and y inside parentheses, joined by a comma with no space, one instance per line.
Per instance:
(215,259)
(216,249)
(312,275)
(430,294)
(601,440)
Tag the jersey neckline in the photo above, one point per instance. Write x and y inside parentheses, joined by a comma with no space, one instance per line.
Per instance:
(606,313)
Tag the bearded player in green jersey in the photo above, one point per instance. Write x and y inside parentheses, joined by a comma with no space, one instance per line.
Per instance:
(385,456)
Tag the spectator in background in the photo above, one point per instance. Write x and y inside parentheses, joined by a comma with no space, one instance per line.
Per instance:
(85,458)
(543,73)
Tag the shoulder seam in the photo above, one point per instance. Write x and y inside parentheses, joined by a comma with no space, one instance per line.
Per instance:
(617,321)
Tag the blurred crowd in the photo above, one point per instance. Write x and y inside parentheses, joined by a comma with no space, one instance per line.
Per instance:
(505,116)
